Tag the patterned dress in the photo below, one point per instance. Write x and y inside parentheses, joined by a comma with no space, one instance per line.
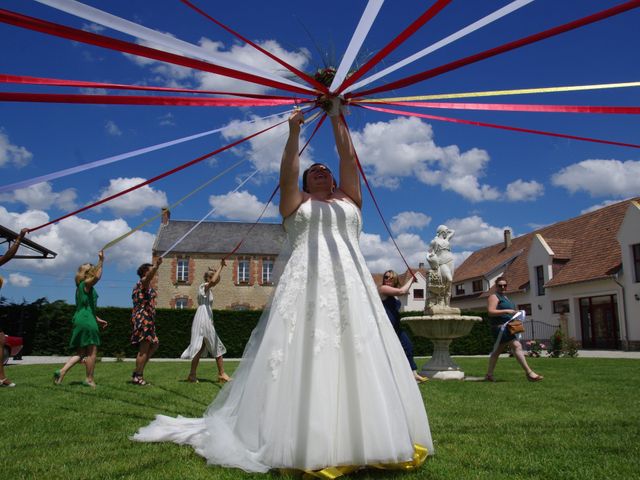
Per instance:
(143,315)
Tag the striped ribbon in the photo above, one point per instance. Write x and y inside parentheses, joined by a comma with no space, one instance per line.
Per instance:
(116,158)
(515,107)
(403,82)
(492,93)
(145,100)
(498,14)
(501,127)
(58,82)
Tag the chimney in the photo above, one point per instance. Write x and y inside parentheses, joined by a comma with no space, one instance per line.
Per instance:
(421,265)
(507,238)
(166,215)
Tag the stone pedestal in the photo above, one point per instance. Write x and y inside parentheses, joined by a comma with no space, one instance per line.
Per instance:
(441,329)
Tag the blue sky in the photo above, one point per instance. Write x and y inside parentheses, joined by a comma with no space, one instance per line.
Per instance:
(476,180)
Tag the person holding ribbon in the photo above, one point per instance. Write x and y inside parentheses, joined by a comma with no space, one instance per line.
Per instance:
(501,311)
(85,337)
(300,398)
(143,320)
(203,334)
(8,255)
(389,290)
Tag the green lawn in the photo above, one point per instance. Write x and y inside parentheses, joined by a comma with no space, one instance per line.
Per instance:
(581,422)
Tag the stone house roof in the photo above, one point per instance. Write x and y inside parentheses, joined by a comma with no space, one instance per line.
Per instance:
(585,248)
(220,237)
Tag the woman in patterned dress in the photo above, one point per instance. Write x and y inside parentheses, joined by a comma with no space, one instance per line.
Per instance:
(143,315)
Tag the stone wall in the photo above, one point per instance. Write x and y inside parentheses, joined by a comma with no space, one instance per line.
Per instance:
(228,294)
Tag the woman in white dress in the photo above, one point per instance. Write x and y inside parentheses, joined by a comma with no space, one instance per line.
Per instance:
(203,334)
(323,385)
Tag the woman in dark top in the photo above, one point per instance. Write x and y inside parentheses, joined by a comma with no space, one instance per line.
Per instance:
(388,292)
(500,310)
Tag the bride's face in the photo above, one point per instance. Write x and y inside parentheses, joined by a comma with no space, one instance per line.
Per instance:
(319,179)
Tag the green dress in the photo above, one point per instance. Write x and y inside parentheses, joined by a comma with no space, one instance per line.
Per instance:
(85,327)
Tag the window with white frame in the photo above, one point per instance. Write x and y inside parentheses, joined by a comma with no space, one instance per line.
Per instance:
(182,270)
(182,303)
(540,280)
(418,293)
(267,271)
(243,270)
(636,261)
(460,289)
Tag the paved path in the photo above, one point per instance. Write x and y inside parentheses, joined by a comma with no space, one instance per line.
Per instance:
(35,360)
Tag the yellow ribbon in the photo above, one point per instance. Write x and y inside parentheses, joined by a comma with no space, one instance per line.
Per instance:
(172,206)
(420,454)
(490,93)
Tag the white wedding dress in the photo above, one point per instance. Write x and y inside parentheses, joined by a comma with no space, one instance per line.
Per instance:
(202,329)
(324,381)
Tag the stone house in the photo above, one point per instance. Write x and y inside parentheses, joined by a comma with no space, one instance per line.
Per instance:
(246,282)
(582,274)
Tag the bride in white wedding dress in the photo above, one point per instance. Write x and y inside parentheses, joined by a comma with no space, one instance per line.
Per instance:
(324,385)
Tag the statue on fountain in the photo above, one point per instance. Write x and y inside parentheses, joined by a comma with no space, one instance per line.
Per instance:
(440,276)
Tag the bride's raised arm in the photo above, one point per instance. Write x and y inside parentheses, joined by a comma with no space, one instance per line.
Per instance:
(349,177)
(290,195)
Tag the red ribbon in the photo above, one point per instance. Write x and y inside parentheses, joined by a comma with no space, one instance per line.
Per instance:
(58,82)
(493,125)
(55,29)
(375,202)
(143,100)
(154,179)
(395,43)
(312,81)
(515,107)
(501,49)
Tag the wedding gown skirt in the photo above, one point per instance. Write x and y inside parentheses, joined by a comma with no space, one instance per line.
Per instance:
(324,380)
(202,329)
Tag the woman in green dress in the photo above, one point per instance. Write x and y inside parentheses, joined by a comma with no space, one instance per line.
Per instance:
(85,336)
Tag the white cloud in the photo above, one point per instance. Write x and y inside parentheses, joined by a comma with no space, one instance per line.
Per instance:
(77,241)
(601,178)
(382,255)
(134,202)
(241,206)
(112,129)
(474,232)
(264,150)
(42,197)
(405,147)
(522,191)
(176,76)
(407,220)
(12,154)
(19,280)
(598,206)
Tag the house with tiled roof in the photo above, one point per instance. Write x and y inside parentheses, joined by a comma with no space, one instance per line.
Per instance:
(247,281)
(585,271)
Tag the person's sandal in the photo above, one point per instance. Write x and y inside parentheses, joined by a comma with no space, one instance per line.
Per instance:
(489,378)
(57,378)
(191,379)
(87,383)
(224,378)
(535,378)
(5,382)
(137,379)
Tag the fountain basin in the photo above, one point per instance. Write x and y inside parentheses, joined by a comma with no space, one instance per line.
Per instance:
(441,329)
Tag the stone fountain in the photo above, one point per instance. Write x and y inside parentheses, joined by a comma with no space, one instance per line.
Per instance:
(441,323)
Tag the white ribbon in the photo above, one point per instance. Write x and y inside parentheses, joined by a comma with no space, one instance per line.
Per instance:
(143,33)
(513,6)
(519,315)
(366,21)
(116,158)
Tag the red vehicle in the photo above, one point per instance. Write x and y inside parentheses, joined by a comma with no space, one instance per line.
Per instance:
(12,347)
